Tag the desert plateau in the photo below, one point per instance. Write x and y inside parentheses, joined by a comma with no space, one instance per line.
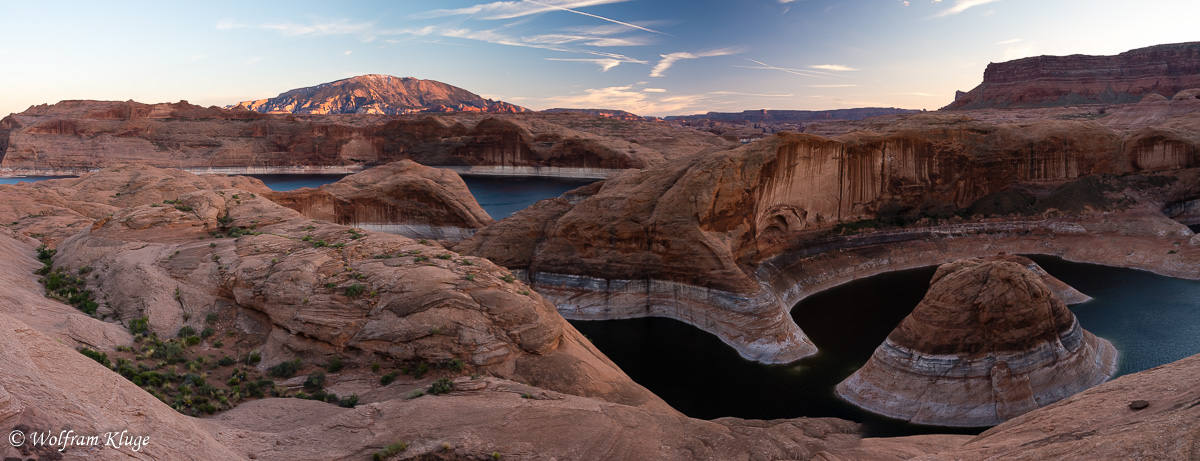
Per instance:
(764,230)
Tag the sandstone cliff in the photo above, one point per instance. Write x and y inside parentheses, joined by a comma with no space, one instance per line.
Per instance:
(402,198)
(378,94)
(76,136)
(1078,79)
(988,343)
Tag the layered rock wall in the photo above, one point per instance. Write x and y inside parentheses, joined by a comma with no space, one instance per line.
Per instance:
(1078,79)
(72,137)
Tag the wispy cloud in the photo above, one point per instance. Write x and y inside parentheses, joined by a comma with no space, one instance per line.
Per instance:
(562,39)
(836,85)
(335,27)
(604,63)
(801,72)
(960,6)
(512,9)
(602,18)
(253,60)
(754,95)
(833,67)
(194,58)
(1009,41)
(917,93)
(670,59)
(654,90)
(629,98)
(226,24)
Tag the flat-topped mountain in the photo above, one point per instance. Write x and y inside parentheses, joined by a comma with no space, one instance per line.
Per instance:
(378,94)
(766,115)
(1044,81)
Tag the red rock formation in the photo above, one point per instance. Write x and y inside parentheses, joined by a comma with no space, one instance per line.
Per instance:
(75,136)
(988,343)
(1079,79)
(605,113)
(402,198)
(378,94)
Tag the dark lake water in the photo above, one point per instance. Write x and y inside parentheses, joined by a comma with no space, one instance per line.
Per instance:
(1151,320)
(500,196)
(30,179)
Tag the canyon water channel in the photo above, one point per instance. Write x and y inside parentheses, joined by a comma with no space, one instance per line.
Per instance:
(500,196)
(1151,319)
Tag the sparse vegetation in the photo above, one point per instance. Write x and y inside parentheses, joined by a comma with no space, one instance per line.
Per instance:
(388,378)
(441,386)
(356,290)
(389,451)
(285,369)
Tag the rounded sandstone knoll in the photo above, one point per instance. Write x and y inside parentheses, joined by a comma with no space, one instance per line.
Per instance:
(402,197)
(988,343)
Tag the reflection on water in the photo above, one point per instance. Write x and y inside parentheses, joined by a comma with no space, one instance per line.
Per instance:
(31,179)
(1151,319)
(500,196)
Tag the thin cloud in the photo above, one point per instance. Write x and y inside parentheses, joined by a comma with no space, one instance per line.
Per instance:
(562,39)
(1009,41)
(227,24)
(629,98)
(804,73)
(833,67)
(253,60)
(915,93)
(654,90)
(602,18)
(960,6)
(604,63)
(670,59)
(837,85)
(338,27)
(511,9)
(756,95)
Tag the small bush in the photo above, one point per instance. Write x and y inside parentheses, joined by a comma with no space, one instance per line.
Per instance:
(375,367)
(390,450)
(315,380)
(414,394)
(140,326)
(211,318)
(349,402)
(253,358)
(356,290)
(285,369)
(441,386)
(388,378)
(508,278)
(226,361)
(445,256)
(335,365)
(456,365)
(422,368)
(207,332)
(98,356)
(186,331)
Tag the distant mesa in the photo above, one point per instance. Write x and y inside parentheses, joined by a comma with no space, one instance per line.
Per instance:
(606,113)
(1046,81)
(378,94)
(766,115)
(989,342)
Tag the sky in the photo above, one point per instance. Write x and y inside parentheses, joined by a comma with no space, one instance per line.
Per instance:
(649,57)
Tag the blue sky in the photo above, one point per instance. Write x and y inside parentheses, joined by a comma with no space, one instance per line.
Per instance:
(650,57)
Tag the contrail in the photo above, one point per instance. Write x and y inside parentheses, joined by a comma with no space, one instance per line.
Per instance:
(790,71)
(614,21)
